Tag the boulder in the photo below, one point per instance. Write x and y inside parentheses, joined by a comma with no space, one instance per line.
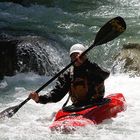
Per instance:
(29,54)
(128,60)
(7,57)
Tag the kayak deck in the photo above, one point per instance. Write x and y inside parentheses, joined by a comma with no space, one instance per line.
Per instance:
(95,114)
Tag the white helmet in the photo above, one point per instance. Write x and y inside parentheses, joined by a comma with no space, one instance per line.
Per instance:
(77,48)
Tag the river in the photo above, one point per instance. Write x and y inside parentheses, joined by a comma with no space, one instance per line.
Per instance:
(77,22)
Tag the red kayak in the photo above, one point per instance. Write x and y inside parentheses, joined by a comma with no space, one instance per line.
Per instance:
(71,118)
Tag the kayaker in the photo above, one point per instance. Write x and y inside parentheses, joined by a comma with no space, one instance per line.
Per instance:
(84,82)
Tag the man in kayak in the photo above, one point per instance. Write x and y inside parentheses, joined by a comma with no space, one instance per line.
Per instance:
(84,82)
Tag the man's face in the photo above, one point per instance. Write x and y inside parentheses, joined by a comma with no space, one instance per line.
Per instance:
(80,60)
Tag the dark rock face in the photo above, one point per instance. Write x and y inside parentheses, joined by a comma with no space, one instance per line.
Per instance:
(128,60)
(28,54)
(7,57)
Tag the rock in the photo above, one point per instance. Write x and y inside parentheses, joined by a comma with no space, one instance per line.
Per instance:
(29,54)
(7,57)
(128,60)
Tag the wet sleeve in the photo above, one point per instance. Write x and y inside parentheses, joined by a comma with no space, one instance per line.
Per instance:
(100,72)
(60,90)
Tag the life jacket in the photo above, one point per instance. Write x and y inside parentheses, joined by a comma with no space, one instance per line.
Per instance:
(79,90)
(99,91)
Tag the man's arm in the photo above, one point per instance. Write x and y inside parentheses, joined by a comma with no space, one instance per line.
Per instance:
(100,72)
(60,90)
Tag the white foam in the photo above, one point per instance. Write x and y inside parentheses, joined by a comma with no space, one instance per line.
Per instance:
(32,120)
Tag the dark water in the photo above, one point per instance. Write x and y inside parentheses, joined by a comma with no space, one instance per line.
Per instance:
(72,21)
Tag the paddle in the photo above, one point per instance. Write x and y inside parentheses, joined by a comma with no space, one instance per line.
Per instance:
(108,32)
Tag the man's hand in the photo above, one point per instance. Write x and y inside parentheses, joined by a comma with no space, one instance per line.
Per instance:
(34,96)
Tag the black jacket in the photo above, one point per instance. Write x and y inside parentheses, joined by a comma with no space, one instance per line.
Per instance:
(95,76)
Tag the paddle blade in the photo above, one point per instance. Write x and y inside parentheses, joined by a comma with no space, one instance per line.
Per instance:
(110,31)
(9,112)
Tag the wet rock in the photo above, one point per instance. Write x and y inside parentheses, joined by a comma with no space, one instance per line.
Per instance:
(7,57)
(29,54)
(128,60)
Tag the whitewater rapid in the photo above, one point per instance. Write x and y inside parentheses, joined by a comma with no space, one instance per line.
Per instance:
(69,24)
(32,121)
